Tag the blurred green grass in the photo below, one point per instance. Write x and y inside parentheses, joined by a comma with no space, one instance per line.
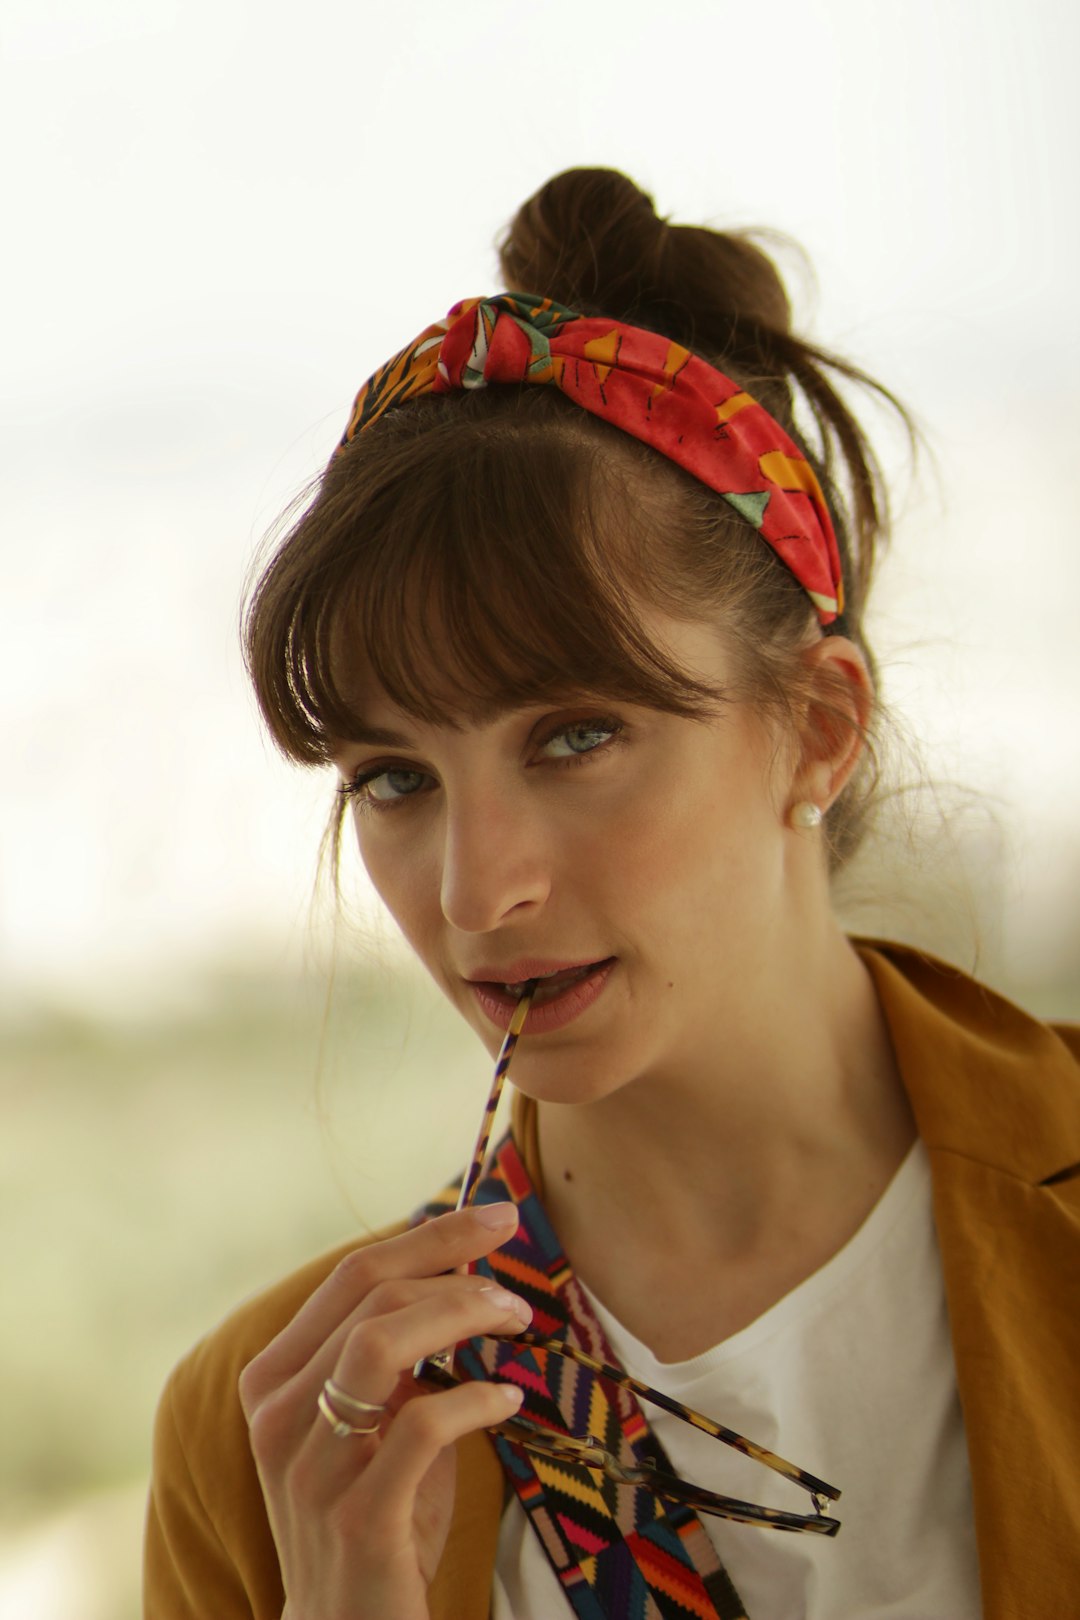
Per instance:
(155,1172)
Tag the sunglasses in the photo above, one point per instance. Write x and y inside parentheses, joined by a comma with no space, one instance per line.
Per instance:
(437,1372)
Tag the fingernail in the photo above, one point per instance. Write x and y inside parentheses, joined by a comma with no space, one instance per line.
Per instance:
(496,1215)
(512,1394)
(504,1300)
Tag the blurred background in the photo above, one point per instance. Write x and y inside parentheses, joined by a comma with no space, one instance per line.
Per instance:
(218,219)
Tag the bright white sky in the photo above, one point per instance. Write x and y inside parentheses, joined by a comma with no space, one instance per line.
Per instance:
(219,216)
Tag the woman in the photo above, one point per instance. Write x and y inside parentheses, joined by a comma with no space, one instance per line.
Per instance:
(577,615)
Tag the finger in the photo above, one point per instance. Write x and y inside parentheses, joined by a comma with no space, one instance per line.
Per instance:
(375,1367)
(436,1247)
(377,1358)
(389,1298)
(421,1430)
(380,1348)
(375,1499)
(396,1324)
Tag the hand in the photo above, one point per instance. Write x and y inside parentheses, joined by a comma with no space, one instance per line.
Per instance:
(360,1522)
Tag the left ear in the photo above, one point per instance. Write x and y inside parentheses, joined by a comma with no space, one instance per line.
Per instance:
(837,712)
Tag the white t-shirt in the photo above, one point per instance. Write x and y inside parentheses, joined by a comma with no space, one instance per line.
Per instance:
(851,1376)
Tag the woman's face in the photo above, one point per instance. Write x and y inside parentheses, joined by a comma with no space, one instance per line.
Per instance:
(641,857)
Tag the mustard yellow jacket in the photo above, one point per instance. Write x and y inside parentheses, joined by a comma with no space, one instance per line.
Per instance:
(996,1097)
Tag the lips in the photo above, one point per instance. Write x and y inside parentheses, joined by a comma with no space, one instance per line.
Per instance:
(524,968)
(565,990)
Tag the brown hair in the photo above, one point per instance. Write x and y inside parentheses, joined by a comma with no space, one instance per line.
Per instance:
(520,532)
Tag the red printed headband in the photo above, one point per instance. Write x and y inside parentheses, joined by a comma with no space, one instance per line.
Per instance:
(649,387)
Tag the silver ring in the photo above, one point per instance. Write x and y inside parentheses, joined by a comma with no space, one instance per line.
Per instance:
(341,1397)
(341,1429)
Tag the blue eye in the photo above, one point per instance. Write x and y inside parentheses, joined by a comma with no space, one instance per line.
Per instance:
(387,787)
(382,788)
(583,737)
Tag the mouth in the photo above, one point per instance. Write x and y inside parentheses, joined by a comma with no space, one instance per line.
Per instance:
(562,991)
(550,985)
(550,978)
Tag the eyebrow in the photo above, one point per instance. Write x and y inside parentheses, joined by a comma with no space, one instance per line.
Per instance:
(363,735)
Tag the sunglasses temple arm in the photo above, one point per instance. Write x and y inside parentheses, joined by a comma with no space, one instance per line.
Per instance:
(444,1359)
(729,1437)
(471,1180)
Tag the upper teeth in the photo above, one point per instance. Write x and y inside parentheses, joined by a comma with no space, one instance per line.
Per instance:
(535,976)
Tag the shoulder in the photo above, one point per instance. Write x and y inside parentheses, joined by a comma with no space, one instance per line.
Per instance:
(208,1547)
(920,990)
(1069,1035)
(986,1079)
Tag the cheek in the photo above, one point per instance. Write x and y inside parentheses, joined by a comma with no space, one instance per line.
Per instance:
(652,853)
(406,884)
(712,833)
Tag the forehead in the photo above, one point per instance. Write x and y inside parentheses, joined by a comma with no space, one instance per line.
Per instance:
(378,716)
(451,668)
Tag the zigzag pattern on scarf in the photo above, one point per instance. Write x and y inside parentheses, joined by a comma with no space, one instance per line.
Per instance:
(619,1552)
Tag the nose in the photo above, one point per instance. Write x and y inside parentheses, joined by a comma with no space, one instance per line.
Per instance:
(496,863)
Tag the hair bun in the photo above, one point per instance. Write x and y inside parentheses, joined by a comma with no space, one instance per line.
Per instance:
(585,239)
(592,239)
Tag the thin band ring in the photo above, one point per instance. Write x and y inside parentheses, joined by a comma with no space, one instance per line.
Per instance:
(341,1429)
(351,1403)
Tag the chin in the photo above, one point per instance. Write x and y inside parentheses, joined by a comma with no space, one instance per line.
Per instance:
(564,1080)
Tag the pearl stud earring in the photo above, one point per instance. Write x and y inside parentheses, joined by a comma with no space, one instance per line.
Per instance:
(805,815)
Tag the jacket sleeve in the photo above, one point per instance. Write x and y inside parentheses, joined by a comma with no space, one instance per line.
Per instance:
(209,1551)
(189,1571)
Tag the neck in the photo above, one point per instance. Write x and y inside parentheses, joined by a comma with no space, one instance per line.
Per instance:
(789,1125)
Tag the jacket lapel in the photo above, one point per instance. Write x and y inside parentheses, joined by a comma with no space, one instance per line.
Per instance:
(996,1097)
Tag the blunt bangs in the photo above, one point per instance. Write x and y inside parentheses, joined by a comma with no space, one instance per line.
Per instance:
(466,555)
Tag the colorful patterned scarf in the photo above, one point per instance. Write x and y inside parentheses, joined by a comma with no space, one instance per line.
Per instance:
(651,388)
(619,1553)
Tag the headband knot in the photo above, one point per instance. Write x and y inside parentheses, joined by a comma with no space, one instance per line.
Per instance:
(646,385)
